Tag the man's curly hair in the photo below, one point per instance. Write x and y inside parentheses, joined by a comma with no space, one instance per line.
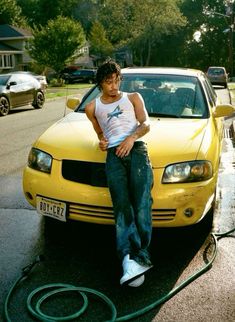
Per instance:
(108,68)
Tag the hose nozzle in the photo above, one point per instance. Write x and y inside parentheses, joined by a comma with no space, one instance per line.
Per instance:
(26,270)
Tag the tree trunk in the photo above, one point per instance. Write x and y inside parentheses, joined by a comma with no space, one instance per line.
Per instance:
(148,52)
(141,58)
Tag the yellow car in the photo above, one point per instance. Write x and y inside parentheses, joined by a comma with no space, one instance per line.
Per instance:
(65,176)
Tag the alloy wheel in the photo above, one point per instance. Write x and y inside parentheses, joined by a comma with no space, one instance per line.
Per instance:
(4,106)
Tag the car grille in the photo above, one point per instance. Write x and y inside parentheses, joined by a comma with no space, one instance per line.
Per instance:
(106,213)
(163,214)
(89,211)
(92,173)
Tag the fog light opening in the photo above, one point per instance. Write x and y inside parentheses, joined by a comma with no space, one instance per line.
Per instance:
(188,212)
(29,196)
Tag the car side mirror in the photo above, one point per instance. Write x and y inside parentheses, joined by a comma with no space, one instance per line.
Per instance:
(10,84)
(72,102)
(222,110)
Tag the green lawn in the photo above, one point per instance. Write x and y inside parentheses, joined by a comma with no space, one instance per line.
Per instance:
(231,86)
(70,89)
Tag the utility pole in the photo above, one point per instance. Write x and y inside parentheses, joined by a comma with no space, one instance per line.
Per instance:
(230,14)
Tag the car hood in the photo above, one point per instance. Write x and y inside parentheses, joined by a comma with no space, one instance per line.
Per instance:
(169,141)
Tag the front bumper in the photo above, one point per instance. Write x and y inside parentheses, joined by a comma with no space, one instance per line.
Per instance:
(174,205)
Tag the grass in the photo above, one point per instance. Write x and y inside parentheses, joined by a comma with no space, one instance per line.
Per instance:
(70,89)
(231,86)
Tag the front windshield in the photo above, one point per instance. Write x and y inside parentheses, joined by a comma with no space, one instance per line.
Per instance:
(4,79)
(164,95)
(216,71)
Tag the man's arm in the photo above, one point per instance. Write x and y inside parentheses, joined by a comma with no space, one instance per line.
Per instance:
(144,127)
(141,115)
(90,112)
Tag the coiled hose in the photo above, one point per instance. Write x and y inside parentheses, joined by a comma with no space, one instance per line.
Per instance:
(52,289)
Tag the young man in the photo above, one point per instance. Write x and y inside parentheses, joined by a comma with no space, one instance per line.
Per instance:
(120,120)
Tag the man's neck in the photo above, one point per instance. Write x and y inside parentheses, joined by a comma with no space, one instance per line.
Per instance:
(109,98)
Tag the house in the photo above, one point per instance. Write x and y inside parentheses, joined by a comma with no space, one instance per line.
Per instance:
(124,57)
(82,57)
(13,55)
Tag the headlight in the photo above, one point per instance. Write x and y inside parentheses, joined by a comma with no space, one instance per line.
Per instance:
(192,171)
(39,160)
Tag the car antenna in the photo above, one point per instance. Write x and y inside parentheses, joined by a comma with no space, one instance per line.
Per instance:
(66,98)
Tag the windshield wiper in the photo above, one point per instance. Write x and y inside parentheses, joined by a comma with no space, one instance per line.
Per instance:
(163,115)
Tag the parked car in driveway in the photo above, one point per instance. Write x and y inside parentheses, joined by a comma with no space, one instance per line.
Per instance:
(41,78)
(65,175)
(19,89)
(80,76)
(217,76)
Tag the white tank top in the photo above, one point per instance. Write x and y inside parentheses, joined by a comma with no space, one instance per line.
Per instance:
(117,120)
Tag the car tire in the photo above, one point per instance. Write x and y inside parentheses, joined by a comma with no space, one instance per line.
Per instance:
(39,100)
(4,106)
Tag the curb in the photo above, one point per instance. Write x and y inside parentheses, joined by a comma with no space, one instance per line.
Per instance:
(232,101)
(232,129)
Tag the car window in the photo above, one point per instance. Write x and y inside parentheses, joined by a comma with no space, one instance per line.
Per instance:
(211,94)
(216,71)
(83,72)
(76,72)
(4,79)
(93,93)
(164,95)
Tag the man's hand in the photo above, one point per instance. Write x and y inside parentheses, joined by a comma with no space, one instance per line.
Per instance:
(141,114)
(103,144)
(125,147)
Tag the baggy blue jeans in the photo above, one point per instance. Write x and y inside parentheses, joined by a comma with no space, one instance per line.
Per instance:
(130,180)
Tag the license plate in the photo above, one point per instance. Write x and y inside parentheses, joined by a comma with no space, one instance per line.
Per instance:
(51,208)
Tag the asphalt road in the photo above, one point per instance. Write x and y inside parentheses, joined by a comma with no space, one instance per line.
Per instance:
(84,254)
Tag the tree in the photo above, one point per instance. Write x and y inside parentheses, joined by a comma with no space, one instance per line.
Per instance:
(39,12)
(56,43)
(154,21)
(184,49)
(11,14)
(141,24)
(156,31)
(87,11)
(100,45)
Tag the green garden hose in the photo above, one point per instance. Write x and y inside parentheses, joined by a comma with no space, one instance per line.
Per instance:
(55,289)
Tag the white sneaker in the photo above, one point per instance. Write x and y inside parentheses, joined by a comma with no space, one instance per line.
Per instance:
(132,270)
(137,282)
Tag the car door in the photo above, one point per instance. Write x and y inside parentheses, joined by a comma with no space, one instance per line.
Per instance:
(16,92)
(28,87)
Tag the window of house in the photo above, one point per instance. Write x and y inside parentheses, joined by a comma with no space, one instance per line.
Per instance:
(6,61)
(83,50)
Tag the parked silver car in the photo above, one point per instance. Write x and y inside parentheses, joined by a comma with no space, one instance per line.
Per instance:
(217,76)
(19,89)
(41,78)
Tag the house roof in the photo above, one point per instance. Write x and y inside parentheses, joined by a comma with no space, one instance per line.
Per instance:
(8,49)
(11,32)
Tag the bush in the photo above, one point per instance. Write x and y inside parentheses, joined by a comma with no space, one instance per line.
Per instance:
(57,82)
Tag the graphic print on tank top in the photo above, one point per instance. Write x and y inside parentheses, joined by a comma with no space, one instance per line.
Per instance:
(116,112)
